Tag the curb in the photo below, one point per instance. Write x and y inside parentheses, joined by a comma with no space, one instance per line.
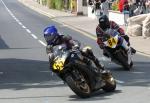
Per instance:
(70,26)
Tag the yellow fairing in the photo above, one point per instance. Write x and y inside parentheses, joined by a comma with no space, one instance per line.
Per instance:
(59,64)
(112,42)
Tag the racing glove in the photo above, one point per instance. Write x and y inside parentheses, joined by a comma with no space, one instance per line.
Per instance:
(126,37)
(100,43)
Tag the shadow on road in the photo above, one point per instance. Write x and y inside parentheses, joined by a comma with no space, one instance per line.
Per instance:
(21,74)
(99,95)
(138,76)
(3,45)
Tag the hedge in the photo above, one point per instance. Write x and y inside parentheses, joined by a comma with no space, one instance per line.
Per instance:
(55,4)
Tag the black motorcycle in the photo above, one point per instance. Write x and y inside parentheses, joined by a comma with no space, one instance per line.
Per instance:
(81,77)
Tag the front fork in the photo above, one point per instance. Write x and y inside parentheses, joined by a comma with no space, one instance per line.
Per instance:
(127,48)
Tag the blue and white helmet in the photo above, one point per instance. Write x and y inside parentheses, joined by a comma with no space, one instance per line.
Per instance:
(51,35)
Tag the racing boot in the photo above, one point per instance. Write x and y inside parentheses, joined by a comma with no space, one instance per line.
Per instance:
(97,63)
(133,51)
(125,45)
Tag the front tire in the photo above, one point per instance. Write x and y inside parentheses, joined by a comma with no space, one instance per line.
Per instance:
(83,86)
(83,91)
(124,61)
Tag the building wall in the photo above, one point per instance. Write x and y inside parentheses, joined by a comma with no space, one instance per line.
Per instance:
(82,7)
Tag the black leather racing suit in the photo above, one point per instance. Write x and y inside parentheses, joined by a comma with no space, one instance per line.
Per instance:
(70,43)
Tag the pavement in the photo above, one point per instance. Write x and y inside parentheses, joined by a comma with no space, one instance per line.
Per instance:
(85,25)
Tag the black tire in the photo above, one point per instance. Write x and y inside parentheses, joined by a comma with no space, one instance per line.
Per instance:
(123,60)
(81,91)
(110,84)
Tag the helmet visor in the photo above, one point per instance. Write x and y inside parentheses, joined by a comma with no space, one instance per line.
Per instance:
(51,39)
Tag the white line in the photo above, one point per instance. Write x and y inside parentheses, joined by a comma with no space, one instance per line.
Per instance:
(28,30)
(23,26)
(4,4)
(119,81)
(10,13)
(65,25)
(1,73)
(42,42)
(20,23)
(17,20)
(13,16)
(34,36)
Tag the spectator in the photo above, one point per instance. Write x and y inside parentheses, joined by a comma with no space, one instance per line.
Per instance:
(137,2)
(132,7)
(124,8)
(97,4)
(141,8)
(147,4)
(97,8)
(126,11)
(121,3)
(90,2)
(105,7)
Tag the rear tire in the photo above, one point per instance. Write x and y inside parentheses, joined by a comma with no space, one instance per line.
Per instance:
(109,87)
(110,83)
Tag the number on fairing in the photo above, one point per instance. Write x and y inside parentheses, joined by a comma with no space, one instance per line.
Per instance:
(59,64)
(112,42)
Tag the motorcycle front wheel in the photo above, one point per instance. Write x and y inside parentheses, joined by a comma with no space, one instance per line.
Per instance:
(81,84)
(124,61)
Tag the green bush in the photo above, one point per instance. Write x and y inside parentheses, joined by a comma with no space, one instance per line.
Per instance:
(59,4)
(115,5)
(55,4)
(44,2)
(51,3)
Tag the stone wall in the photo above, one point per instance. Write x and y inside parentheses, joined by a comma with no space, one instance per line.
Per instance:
(139,25)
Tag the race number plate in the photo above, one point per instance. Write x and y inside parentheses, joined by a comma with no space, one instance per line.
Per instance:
(59,64)
(112,42)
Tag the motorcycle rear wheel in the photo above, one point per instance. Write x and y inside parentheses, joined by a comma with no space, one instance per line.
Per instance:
(110,84)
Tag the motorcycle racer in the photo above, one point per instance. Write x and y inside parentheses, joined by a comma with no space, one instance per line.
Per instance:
(53,38)
(103,25)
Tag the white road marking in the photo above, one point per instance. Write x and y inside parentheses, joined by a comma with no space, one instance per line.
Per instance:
(42,42)
(10,13)
(28,31)
(24,27)
(20,23)
(17,20)
(119,81)
(65,25)
(13,16)
(1,73)
(34,36)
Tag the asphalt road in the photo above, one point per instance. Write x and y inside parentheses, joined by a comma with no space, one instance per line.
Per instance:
(24,73)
